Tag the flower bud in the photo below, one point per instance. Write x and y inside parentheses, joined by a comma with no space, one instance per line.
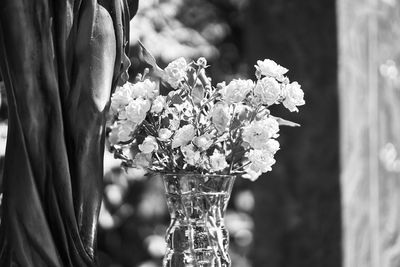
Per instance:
(202,62)
(258,74)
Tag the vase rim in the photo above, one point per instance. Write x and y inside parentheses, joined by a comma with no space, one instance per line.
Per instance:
(196,174)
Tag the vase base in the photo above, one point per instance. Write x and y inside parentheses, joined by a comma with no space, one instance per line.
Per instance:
(204,258)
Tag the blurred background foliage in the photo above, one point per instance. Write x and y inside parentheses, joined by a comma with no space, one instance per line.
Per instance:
(289,217)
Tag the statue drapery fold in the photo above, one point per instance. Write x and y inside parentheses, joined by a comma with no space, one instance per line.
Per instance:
(60,61)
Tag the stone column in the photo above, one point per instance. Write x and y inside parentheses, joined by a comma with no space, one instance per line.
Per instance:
(369,56)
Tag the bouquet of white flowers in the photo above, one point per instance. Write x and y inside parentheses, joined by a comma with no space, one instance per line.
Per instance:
(196,127)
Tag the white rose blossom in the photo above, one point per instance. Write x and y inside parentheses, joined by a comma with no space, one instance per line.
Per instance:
(220,116)
(269,68)
(142,160)
(174,123)
(218,161)
(236,91)
(122,115)
(121,97)
(251,174)
(149,145)
(191,154)
(261,160)
(158,104)
(221,85)
(121,132)
(164,134)
(203,142)
(229,119)
(113,135)
(137,110)
(272,146)
(144,89)
(183,136)
(175,72)
(267,91)
(294,96)
(259,132)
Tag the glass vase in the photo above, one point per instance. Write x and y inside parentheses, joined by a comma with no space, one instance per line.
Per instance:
(197,236)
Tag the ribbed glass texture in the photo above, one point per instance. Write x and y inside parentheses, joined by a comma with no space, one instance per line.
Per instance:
(197,236)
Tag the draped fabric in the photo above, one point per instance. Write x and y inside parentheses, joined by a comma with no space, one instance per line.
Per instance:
(60,60)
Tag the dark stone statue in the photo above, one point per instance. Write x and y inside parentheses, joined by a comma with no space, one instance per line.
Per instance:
(60,61)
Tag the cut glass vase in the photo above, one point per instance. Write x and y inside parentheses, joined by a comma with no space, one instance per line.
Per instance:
(197,236)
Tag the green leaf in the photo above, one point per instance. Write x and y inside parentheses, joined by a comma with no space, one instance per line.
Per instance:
(145,56)
(244,114)
(173,98)
(191,74)
(285,122)
(198,94)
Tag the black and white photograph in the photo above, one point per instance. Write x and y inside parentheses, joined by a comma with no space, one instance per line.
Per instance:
(199,133)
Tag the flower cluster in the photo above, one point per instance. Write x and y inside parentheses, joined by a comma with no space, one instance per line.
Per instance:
(197,127)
